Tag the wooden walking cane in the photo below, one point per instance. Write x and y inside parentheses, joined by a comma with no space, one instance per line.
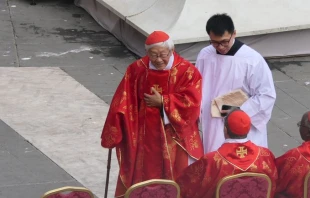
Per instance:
(108,174)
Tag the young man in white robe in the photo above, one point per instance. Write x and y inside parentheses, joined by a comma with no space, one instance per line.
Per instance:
(226,65)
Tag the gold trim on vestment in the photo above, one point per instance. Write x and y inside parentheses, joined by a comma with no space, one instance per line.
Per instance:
(227,178)
(302,155)
(150,182)
(67,188)
(238,166)
(306,185)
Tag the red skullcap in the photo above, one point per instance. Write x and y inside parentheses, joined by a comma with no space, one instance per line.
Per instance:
(239,123)
(156,37)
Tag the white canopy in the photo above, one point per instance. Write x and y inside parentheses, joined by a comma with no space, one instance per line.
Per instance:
(272,27)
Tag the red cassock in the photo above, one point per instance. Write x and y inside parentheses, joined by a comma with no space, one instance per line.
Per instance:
(147,148)
(293,167)
(200,179)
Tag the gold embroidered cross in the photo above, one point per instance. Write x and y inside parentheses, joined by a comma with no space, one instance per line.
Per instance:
(157,88)
(241,152)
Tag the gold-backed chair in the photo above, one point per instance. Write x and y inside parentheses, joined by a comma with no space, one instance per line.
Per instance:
(154,188)
(251,185)
(69,192)
(307,186)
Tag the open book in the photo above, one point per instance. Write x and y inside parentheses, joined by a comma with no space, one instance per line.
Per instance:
(233,98)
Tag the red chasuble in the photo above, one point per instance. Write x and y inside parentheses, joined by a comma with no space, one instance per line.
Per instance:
(147,148)
(293,167)
(200,179)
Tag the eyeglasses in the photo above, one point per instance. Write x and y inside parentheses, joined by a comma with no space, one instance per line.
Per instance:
(222,43)
(300,125)
(162,56)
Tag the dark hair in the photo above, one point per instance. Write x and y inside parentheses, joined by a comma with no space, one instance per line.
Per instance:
(305,120)
(219,23)
(234,136)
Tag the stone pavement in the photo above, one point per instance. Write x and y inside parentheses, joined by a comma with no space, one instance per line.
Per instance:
(292,81)
(58,72)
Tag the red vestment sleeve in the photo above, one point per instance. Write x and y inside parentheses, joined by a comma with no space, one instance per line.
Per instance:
(183,107)
(122,113)
(289,176)
(191,180)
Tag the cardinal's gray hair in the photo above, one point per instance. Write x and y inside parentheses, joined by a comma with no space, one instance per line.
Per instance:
(168,44)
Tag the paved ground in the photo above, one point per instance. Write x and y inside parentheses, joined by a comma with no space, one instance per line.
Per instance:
(58,72)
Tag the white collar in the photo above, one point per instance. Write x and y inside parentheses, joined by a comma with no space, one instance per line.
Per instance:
(169,65)
(236,140)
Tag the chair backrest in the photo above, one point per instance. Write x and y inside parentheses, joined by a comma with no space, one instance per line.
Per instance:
(154,188)
(69,192)
(250,185)
(307,186)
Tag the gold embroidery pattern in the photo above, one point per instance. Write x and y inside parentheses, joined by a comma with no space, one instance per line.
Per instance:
(198,84)
(166,100)
(110,137)
(253,167)
(190,72)
(176,115)
(174,72)
(206,180)
(297,170)
(241,151)
(193,141)
(264,152)
(289,162)
(123,97)
(157,88)
(127,75)
(266,167)
(123,109)
(186,102)
(224,162)
(131,113)
(217,158)
(134,141)
(196,172)
(182,89)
